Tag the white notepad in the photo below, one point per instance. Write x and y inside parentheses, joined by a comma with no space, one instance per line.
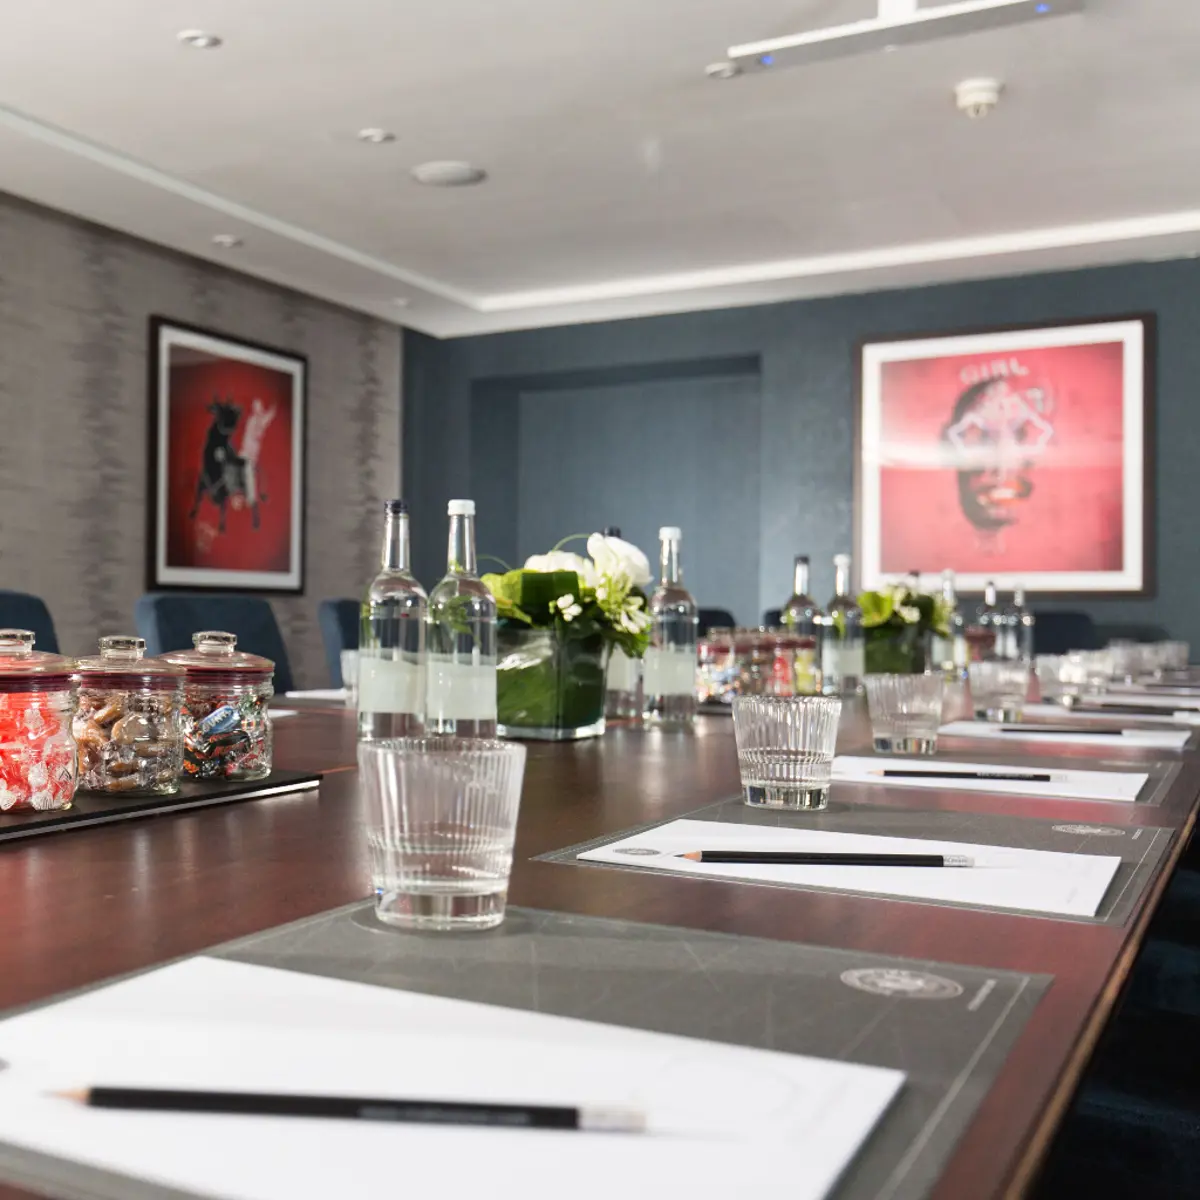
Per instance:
(724,1120)
(1163,739)
(1065,783)
(1066,716)
(1186,703)
(1004,877)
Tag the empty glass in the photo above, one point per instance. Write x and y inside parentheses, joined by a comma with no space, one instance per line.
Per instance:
(906,711)
(1171,656)
(999,688)
(785,748)
(441,815)
(1128,660)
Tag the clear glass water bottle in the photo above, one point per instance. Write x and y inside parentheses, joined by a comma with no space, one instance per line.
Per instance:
(669,676)
(802,618)
(623,676)
(1022,628)
(949,651)
(461,639)
(843,647)
(391,640)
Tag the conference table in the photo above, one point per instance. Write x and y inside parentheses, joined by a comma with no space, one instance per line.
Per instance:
(85,905)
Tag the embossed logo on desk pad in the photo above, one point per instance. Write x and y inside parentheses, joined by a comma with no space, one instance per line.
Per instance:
(911,985)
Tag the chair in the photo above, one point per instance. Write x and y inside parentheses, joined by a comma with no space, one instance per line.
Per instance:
(1129,632)
(714,618)
(1058,632)
(339,631)
(773,618)
(167,621)
(20,610)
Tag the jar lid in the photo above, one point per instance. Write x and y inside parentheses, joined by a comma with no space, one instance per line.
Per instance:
(24,669)
(122,662)
(216,653)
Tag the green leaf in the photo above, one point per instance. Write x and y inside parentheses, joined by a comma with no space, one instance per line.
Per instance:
(877,608)
(507,591)
(540,589)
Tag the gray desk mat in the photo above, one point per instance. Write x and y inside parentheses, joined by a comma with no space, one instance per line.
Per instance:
(1140,849)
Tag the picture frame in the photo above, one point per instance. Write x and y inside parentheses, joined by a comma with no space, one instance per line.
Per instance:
(1020,455)
(227,456)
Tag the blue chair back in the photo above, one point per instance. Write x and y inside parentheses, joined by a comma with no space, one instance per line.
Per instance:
(713,618)
(773,618)
(167,621)
(20,610)
(339,631)
(1058,632)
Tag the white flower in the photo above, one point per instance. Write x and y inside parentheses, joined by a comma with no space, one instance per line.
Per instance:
(566,607)
(910,612)
(616,558)
(632,618)
(563,560)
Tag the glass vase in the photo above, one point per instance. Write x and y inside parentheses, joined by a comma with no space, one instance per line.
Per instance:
(891,651)
(549,687)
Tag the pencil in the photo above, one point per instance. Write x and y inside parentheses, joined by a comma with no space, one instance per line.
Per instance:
(1022,778)
(415,1112)
(804,858)
(1047,730)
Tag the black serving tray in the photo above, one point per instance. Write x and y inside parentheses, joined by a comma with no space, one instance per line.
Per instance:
(98,808)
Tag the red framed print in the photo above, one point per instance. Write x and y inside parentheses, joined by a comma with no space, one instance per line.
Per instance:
(1018,455)
(227,462)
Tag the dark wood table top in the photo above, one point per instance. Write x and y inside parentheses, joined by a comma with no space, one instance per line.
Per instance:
(85,905)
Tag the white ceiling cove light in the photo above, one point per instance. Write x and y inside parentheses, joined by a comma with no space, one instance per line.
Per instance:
(448,173)
(197,39)
(226,241)
(376,137)
(899,23)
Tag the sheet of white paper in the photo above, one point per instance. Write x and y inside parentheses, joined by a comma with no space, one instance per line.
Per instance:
(1164,739)
(724,1121)
(276,713)
(1066,716)
(1185,703)
(1158,689)
(1065,783)
(318,694)
(1003,877)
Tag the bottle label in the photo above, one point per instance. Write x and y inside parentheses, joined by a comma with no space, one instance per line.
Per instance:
(808,674)
(622,673)
(839,661)
(390,685)
(461,691)
(670,671)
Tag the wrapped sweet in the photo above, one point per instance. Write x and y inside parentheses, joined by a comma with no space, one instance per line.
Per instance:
(37,752)
(226,724)
(127,724)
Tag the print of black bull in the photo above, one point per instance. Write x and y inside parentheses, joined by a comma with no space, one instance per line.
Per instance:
(222,469)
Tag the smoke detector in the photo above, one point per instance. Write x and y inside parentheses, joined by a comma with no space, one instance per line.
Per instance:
(977,97)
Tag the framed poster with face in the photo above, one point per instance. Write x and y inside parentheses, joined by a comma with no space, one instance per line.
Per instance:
(227,473)
(1019,455)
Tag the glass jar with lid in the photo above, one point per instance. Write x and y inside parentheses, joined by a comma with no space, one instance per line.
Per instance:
(37,752)
(226,725)
(127,724)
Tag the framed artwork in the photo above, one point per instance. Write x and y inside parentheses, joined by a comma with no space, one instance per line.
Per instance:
(227,469)
(1019,455)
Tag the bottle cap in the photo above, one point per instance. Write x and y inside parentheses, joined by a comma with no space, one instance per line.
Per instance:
(461,508)
(947,574)
(841,560)
(802,558)
(612,531)
(395,506)
(670,533)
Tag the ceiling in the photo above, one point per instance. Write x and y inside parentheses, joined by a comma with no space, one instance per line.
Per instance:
(622,181)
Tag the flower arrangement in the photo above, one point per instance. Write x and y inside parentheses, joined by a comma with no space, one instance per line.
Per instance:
(898,624)
(580,597)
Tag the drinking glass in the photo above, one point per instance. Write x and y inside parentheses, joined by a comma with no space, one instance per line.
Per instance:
(1171,656)
(1126,658)
(999,688)
(785,749)
(441,815)
(906,711)
(350,677)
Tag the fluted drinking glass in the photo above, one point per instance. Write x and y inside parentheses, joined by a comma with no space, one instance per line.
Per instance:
(785,749)
(906,711)
(441,817)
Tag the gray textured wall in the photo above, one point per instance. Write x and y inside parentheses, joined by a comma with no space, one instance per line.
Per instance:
(806,357)
(74,304)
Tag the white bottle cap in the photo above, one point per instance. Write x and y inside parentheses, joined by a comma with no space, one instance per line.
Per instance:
(947,574)
(461,508)
(841,560)
(670,533)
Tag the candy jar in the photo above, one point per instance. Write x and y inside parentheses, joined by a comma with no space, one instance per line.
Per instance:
(127,723)
(37,752)
(226,726)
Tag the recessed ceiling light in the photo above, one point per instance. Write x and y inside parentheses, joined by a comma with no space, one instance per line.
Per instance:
(401,301)
(448,174)
(197,39)
(227,241)
(376,136)
(722,70)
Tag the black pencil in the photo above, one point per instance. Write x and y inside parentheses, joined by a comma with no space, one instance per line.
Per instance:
(805,858)
(349,1108)
(1047,730)
(1002,775)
